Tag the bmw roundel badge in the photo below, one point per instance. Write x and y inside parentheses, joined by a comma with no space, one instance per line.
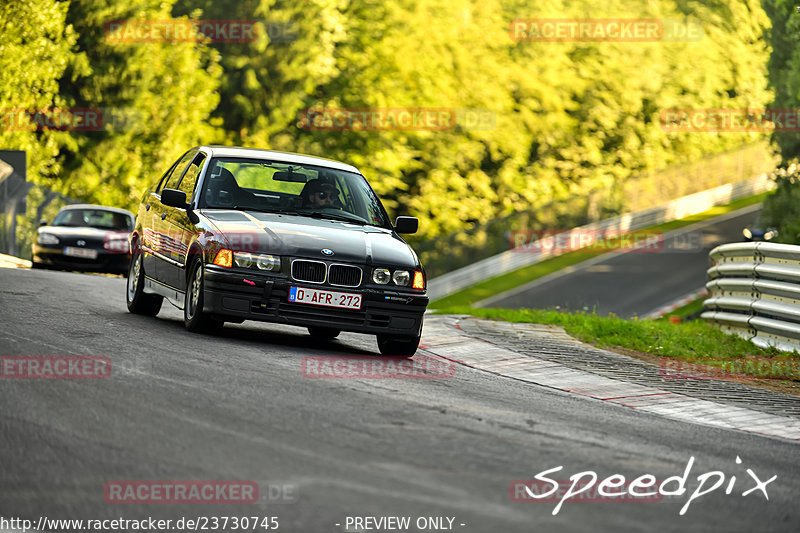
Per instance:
(326,251)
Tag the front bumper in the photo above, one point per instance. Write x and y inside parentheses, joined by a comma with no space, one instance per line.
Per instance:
(105,262)
(383,312)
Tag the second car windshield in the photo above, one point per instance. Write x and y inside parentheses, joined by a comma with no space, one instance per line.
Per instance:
(95,218)
(260,185)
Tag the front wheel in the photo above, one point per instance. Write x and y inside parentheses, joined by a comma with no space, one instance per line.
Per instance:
(195,319)
(405,346)
(139,302)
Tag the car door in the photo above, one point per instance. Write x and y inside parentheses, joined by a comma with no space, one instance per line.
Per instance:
(180,229)
(148,238)
(160,238)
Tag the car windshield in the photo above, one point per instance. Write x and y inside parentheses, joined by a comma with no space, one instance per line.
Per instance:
(291,188)
(95,218)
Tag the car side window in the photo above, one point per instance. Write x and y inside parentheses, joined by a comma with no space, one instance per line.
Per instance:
(189,181)
(165,176)
(171,181)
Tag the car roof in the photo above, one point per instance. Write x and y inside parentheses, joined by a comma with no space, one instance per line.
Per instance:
(95,206)
(283,157)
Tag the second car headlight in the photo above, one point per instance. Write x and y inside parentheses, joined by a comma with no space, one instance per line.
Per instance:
(46,238)
(401,277)
(259,261)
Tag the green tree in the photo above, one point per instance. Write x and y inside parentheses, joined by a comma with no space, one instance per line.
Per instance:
(782,208)
(36,47)
(156,99)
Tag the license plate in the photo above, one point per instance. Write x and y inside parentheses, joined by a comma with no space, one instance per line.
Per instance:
(342,300)
(86,253)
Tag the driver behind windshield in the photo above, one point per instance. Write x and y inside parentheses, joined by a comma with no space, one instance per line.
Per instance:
(319,194)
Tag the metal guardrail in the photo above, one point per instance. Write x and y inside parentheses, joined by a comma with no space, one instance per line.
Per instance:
(754,291)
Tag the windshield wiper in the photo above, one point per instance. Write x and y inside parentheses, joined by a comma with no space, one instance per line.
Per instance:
(331,216)
(259,209)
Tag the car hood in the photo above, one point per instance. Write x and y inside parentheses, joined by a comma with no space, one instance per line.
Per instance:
(299,236)
(81,231)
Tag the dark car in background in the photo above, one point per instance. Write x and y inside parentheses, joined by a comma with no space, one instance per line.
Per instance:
(90,238)
(231,234)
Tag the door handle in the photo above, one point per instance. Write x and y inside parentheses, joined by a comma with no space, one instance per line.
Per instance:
(163,216)
(147,207)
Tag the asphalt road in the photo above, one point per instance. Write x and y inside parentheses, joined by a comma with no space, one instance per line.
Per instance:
(634,283)
(235,406)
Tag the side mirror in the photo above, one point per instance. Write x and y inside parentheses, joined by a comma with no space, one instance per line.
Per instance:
(174,198)
(406,225)
(42,222)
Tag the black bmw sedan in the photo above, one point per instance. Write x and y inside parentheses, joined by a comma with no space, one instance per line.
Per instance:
(85,238)
(231,234)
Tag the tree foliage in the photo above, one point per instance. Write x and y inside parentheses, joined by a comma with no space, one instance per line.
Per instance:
(782,209)
(36,47)
(571,122)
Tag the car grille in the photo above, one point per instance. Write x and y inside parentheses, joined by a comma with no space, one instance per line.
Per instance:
(344,275)
(88,242)
(335,317)
(310,271)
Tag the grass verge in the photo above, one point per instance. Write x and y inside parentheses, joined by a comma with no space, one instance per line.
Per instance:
(515,278)
(657,341)
(690,311)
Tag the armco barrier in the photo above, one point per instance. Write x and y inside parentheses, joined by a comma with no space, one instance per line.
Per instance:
(754,291)
(459,279)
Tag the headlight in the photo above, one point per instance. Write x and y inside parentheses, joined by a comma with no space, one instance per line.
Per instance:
(401,277)
(259,261)
(769,235)
(117,245)
(747,233)
(381,276)
(46,238)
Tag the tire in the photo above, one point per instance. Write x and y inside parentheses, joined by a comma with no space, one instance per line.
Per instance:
(139,302)
(324,333)
(194,318)
(403,346)
(37,266)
